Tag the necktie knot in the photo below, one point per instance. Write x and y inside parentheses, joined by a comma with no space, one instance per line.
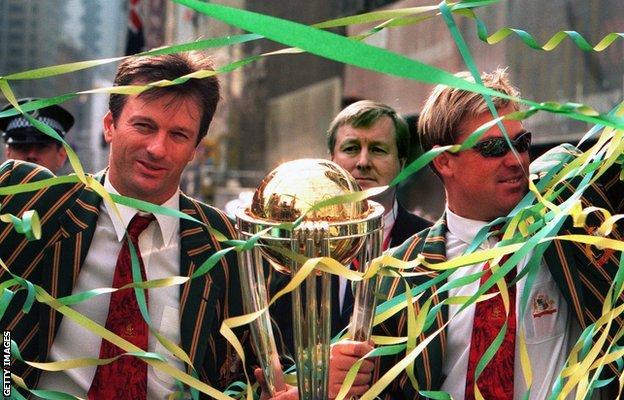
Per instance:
(138,225)
(497,231)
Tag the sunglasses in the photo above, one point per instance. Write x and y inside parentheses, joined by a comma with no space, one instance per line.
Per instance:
(498,146)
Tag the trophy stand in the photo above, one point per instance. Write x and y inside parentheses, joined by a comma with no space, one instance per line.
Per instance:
(312,314)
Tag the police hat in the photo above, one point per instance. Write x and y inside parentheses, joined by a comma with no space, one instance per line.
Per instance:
(17,130)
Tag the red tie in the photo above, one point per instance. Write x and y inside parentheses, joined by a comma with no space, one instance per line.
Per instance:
(126,377)
(497,379)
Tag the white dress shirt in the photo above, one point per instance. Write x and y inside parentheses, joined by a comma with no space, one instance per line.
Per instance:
(550,328)
(159,245)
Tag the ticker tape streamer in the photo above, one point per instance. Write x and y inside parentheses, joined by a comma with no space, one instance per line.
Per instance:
(564,109)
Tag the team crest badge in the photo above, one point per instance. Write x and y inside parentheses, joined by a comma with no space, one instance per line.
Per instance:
(543,305)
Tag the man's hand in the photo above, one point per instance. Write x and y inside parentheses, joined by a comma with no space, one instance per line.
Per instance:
(343,355)
(290,393)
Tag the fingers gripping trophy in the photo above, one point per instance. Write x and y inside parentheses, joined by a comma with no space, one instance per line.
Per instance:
(346,232)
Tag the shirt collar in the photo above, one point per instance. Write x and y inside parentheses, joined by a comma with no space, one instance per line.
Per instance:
(464,229)
(168,225)
(389,219)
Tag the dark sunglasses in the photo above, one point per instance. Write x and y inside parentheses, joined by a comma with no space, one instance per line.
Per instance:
(498,146)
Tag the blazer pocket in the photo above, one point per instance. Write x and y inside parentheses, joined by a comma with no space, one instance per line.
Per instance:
(546,313)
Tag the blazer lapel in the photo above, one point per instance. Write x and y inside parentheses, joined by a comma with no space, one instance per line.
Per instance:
(434,249)
(198,297)
(64,257)
(429,365)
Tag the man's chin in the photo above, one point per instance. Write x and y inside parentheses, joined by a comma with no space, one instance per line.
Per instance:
(509,206)
(147,189)
(512,198)
(366,184)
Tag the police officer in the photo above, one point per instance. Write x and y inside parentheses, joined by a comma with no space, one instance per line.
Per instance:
(25,142)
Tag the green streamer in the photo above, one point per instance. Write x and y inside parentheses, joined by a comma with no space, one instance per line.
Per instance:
(550,44)
(345,50)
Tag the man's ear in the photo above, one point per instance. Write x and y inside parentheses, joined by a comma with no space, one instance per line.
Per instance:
(442,163)
(109,126)
(61,157)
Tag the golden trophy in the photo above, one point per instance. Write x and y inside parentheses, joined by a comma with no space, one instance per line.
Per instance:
(345,232)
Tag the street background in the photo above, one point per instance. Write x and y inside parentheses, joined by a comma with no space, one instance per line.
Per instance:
(278,108)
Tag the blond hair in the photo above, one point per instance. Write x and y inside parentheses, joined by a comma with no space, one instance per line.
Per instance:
(447,108)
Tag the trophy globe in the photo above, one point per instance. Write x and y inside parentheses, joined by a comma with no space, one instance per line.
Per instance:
(289,191)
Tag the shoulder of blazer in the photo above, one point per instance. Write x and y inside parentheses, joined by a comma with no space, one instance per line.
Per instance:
(209,215)
(410,248)
(56,206)
(407,251)
(406,225)
(199,242)
(430,244)
(50,202)
(13,172)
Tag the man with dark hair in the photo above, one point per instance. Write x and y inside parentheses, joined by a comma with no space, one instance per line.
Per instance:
(25,142)
(371,141)
(568,284)
(143,70)
(84,246)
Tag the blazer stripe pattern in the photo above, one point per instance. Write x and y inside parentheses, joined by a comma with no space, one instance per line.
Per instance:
(427,366)
(69,214)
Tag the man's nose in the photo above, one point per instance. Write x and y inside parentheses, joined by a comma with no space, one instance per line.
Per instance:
(157,145)
(363,159)
(512,159)
(32,152)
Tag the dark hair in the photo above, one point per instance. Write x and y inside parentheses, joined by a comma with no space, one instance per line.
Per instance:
(364,114)
(144,70)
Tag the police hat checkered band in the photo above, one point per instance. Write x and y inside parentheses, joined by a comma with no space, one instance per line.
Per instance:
(21,122)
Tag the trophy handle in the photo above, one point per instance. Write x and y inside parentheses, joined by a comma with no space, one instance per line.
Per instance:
(364,301)
(254,295)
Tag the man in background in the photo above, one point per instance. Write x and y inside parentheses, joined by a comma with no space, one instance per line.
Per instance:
(25,142)
(371,141)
